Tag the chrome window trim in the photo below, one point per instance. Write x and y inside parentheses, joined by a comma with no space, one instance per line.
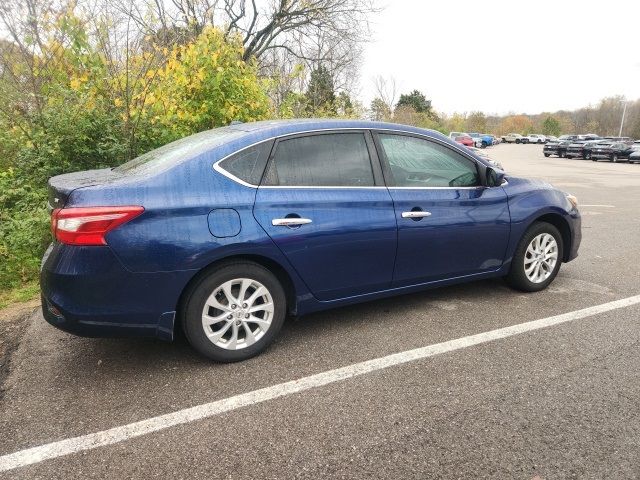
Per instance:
(219,169)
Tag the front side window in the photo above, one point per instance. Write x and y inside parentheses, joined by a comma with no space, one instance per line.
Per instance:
(327,160)
(415,162)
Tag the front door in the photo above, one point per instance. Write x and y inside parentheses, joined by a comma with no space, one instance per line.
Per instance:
(323,204)
(448,224)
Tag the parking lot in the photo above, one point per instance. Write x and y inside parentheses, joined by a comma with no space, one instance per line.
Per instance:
(556,402)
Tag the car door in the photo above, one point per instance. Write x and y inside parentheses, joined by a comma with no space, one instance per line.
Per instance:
(323,202)
(449,225)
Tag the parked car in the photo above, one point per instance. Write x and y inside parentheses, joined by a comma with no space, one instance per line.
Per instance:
(481,140)
(581,148)
(589,145)
(534,138)
(551,138)
(512,138)
(613,152)
(635,156)
(575,149)
(225,232)
(453,135)
(559,147)
(465,140)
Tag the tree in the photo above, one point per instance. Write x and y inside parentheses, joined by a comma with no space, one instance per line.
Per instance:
(415,100)
(380,111)
(516,124)
(320,93)
(551,126)
(205,84)
(476,122)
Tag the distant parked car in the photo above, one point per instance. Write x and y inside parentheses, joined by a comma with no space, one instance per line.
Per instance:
(453,135)
(635,156)
(551,138)
(613,152)
(512,138)
(589,145)
(482,140)
(534,138)
(465,140)
(559,147)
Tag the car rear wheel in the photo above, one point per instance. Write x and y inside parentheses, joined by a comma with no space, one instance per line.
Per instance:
(561,154)
(546,154)
(614,158)
(587,156)
(235,312)
(517,140)
(537,258)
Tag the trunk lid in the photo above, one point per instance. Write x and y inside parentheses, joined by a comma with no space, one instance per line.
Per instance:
(61,186)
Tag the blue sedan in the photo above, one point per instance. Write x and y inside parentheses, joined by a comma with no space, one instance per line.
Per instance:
(227,231)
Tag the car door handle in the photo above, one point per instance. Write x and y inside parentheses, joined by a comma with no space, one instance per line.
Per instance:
(290,222)
(416,214)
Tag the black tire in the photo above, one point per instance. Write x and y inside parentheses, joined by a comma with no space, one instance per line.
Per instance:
(546,154)
(561,154)
(517,140)
(594,159)
(614,158)
(517,277)
(192,309)
(587,156)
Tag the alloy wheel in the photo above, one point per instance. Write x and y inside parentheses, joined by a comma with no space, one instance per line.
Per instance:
(540,258)
(237,314)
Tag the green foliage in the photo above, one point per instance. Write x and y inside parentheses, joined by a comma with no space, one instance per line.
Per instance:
(551,126)
(205,84)
(81,113)
(416,100)
(320,95)
(476,122)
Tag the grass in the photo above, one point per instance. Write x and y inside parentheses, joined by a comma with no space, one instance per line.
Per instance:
(21,294)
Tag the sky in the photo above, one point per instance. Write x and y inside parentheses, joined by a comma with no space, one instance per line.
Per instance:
(506,56)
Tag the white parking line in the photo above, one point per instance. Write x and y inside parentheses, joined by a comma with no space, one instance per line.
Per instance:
(125,432)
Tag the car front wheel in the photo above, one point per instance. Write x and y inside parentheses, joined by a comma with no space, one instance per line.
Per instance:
(235,312)
(537,258)
(614,158)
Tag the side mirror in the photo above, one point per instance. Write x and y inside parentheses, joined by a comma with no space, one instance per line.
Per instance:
(494,178)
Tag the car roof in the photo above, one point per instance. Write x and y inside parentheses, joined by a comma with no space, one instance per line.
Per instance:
(278,127)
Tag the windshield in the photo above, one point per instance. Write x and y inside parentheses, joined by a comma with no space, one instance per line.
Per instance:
(182,149)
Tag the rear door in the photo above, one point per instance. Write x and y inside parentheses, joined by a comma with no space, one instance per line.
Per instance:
(449,225)
(323,202)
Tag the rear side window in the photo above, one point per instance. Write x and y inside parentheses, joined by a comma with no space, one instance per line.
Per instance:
(248,164)
(328,160)
(415,162)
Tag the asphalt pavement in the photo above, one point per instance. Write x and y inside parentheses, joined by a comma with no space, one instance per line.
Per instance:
(558,402)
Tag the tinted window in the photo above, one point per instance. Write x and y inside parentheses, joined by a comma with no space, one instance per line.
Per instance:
(340,159)
(248,164)
(415,162)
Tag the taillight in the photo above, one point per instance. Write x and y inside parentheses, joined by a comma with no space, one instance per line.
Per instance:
(89,225)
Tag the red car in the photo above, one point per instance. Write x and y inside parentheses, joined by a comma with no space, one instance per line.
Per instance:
(465,140)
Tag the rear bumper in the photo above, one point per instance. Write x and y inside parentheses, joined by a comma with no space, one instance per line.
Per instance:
(574,154)
(86,291)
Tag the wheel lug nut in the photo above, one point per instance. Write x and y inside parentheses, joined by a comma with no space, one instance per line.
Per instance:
(233,306)
(229,317)
(244,305)
(246,315)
